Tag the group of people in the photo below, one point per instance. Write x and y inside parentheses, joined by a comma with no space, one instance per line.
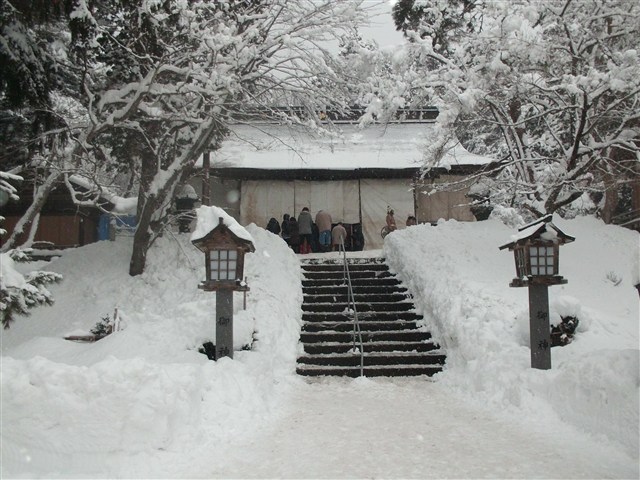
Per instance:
(304,235)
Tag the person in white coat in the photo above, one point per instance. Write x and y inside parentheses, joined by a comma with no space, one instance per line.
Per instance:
(338,236)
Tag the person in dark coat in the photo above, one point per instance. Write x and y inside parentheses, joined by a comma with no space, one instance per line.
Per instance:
(285,228)
(305,228)
(294,235)
(357,237)
(273,226)
(315,246)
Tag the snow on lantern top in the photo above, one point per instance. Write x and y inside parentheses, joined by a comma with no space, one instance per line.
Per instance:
(224,243)
(535,249)
(214,219)
(542,229)
(187,191)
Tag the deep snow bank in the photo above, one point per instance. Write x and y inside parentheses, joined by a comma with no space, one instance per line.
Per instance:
(144,403)
(72,409)
(460,282)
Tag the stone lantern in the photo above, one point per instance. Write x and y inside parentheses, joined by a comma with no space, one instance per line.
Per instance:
(186,198)
(224,243)
(536,253)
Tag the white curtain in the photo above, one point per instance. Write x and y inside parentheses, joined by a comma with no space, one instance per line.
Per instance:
(434,205)
(262,199)
(338,197)
(343,199)
(378,194)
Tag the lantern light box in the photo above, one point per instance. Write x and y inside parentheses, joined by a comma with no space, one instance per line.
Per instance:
(224,242)
(536,253)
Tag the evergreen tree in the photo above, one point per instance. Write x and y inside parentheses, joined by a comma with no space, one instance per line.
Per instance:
(20,293)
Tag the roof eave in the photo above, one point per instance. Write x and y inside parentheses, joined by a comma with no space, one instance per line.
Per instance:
(336,174)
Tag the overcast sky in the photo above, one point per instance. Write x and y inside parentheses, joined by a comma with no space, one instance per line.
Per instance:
(382,29)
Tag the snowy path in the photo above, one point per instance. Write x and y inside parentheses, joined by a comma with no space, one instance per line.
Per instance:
(338,428)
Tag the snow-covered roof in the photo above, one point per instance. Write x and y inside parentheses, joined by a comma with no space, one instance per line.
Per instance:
(283,147)
(208,218)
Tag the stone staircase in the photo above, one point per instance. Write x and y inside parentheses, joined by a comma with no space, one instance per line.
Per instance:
(393,343)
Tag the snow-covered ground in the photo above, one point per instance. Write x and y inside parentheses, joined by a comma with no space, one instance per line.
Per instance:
(143,402)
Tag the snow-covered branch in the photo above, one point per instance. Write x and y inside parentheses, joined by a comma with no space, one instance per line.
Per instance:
(552,87)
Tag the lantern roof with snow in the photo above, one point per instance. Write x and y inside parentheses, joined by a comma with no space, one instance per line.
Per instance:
(215,228)
(541,229)
(186,191)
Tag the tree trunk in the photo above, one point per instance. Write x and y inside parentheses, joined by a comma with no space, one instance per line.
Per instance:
(157,187)
(143,236)
(610,198)
(22,230)
(150,211)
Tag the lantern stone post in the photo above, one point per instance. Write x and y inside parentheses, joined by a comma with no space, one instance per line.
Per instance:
(539,327)
(224,243)
(224,323)
(536,253)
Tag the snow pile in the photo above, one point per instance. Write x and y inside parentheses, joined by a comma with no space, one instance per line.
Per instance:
(460,282)
(145,390)
(9,276)
(143,402)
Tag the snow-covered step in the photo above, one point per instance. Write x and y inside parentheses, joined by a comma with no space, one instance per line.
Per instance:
(364,326)
(357,289)
(388,316)
(374,358)
(371,371)
(339,281)
(339,307)
(379,346)
(339,267)
(358,298)
(354,275)
(373,336)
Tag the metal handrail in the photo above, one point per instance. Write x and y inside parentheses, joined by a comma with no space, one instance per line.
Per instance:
(352,301)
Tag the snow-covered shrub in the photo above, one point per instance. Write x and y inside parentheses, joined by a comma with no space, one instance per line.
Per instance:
(563,333)
(107,325)
(507,215)
(20,292)
(103,327)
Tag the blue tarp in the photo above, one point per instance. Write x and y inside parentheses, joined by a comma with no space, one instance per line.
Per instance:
(121,222)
